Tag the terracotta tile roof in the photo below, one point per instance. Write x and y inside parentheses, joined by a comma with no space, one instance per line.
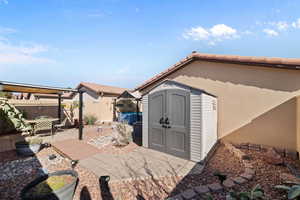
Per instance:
(284,63)
(102,88)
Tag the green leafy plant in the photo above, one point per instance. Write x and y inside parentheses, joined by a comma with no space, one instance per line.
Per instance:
(256,193)
(90,119)
(293,192)
(6,95)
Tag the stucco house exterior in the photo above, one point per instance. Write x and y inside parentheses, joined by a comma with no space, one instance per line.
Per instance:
(257,98)
(98,100)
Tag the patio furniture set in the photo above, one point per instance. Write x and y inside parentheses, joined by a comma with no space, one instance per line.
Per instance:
(44,124)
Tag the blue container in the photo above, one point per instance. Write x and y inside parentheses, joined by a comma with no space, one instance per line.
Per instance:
(130,117)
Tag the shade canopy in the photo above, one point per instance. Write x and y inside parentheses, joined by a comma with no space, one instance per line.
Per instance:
(29,88)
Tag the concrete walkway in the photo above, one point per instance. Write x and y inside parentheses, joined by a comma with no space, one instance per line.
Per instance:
(141,163)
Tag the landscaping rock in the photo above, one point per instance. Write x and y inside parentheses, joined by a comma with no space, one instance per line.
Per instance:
(292,169)
(247,165)
(247,176)
(214,187)
(228,183)
(188,194)
(291,154)
(249,171)
(280,151)
(285,177)
(239,180)
(272,157)
(255,147)
(201,189)
(177,197)
(244,146)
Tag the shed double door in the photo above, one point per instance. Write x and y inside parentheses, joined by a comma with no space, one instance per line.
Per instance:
(169,122)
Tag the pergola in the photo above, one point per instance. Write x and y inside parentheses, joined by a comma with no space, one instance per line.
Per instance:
(29,88)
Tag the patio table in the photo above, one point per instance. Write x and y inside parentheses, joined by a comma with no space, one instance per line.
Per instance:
(42,124)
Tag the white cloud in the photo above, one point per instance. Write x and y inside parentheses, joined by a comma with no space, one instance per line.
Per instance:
(223,31)
(3,2)
(15,58)
(247,32)
(281,25)
(296,24)
(216,33)
(197,33)
(270,32)
(20,53)
(5,30)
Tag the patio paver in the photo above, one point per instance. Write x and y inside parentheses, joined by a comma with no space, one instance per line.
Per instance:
(75,149)
(139,164)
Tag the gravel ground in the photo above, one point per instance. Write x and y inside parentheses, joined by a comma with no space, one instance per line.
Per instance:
(267,175)
(90,187)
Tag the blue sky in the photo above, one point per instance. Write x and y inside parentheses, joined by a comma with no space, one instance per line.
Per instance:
(123,43)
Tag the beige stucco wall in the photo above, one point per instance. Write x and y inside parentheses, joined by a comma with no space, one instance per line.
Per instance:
(255,104)
(99,106)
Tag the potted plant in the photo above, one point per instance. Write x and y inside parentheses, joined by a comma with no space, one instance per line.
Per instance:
(58,185)
(28,147)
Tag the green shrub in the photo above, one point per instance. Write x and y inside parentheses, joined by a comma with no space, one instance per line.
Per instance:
(293,192)
(256,193)
(90,119)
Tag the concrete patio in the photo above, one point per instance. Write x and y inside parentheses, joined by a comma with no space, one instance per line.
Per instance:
(138,163)
(141,163)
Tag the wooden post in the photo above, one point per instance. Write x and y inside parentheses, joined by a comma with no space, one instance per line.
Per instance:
(80,115)
(59,109)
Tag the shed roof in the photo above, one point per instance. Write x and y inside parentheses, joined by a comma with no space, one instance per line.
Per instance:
(102,88)
(283,63)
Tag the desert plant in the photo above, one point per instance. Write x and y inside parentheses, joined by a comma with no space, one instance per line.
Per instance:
(256,193)
(90,119)
(293,192)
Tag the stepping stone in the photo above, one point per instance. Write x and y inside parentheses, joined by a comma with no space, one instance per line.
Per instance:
(214,187)
(188,194)
(248,165)
(247,176)
(228,183)
(201,189)
(249,171)
(239,180)
(177,197)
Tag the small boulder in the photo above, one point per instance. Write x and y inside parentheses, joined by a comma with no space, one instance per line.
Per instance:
(286,178)
(272,157)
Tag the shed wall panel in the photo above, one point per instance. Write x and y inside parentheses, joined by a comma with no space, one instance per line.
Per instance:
(195,129)
(209,118)
(145,120)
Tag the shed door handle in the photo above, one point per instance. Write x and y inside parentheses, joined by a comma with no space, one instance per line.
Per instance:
(161,121)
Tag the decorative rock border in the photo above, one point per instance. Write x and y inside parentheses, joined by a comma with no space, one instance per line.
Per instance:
(257,147)
(201,190)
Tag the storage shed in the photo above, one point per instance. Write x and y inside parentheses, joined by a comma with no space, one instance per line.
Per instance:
(179,120)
